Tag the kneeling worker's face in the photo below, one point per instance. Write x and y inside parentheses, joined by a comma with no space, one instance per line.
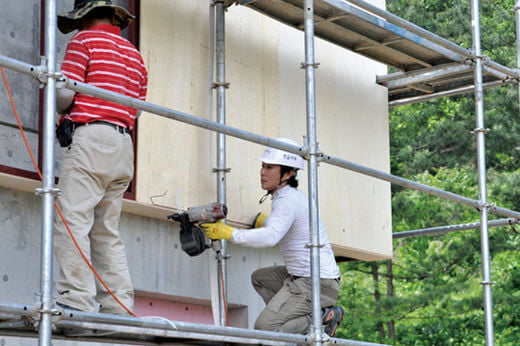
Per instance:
(269,176)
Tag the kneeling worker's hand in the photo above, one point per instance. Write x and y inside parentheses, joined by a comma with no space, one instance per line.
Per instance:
(217,230)
(259,220)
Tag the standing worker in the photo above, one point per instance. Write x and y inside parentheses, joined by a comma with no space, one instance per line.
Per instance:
(99,163)
(286,290)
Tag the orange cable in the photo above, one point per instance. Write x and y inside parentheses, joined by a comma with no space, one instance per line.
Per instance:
(11,99)
(224,296)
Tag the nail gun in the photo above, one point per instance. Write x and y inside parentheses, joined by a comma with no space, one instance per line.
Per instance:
(191,236)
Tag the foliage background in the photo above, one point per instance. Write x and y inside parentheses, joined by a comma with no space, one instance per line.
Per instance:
(430,292)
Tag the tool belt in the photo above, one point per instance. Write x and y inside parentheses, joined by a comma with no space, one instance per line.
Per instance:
(118,128)
(65,130)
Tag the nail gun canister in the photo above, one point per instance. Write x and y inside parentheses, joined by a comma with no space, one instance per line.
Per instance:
(207,213)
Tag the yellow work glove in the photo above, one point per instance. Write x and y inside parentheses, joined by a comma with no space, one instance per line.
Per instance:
(217,230)
(259,220)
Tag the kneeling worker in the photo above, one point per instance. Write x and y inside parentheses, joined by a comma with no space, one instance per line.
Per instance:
(286,290)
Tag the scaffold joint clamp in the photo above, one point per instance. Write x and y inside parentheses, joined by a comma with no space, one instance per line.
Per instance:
(304,65)
(480,130)
(488,282)
(309,245)
(223,84)
(40,191)
(217,170)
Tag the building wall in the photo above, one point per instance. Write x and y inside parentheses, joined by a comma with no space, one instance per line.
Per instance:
(266,96)
(162,274)
(175,161)
(19,39)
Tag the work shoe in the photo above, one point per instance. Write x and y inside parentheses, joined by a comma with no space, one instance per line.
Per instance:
(79,332)
(67,307)
(332,317)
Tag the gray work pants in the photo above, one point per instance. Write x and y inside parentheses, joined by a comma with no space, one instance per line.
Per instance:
(289,300)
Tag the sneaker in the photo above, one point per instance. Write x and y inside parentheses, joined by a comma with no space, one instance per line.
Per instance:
(332,317)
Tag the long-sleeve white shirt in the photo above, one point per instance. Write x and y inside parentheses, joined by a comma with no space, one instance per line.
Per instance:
(288,226)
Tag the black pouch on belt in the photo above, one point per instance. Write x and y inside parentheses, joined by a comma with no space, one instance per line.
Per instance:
(64,133)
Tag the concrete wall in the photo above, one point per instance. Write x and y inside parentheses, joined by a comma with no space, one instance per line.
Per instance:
(158,266)
(19,39)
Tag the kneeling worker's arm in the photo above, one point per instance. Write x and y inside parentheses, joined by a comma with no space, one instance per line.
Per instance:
(217,230)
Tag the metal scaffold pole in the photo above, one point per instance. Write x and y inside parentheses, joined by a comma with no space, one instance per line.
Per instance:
(480,132)
(221,169)
(517,22)
(47,191)
(310,90)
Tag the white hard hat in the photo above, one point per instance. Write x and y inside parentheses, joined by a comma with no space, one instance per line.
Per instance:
(276,156)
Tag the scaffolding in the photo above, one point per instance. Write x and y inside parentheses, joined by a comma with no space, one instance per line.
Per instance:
(433,67)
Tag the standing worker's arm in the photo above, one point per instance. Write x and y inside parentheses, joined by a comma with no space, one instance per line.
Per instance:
(64,99)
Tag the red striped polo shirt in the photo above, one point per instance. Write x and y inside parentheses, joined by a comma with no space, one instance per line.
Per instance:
(101,57)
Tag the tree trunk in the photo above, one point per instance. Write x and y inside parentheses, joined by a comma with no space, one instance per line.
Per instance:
(377,297)
(390,325)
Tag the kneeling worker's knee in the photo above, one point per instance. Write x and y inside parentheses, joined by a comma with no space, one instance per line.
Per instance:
(262,323)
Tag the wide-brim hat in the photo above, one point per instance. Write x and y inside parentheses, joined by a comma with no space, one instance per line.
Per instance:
(70,21)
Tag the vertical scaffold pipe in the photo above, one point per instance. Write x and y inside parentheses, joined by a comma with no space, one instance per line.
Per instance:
(47,190)
(221,149)
(310,67)
(517,21)
(480,132)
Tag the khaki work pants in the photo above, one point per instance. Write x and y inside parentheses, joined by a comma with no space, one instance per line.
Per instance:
(96,171)
(289,300)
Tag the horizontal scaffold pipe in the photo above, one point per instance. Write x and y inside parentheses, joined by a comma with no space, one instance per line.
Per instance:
(448,93)
(490,65)
(498,73)
(252,137)
(427,34)
(415,186)
(423,76)
(177,330)
(38,71)
(444,47)
(453,228)
(235,132)
(85,319)
(157,323)
(180,116)
(407,25)
(387,78)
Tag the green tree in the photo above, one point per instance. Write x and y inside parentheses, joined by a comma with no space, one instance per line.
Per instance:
(437,133)
(430,292)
